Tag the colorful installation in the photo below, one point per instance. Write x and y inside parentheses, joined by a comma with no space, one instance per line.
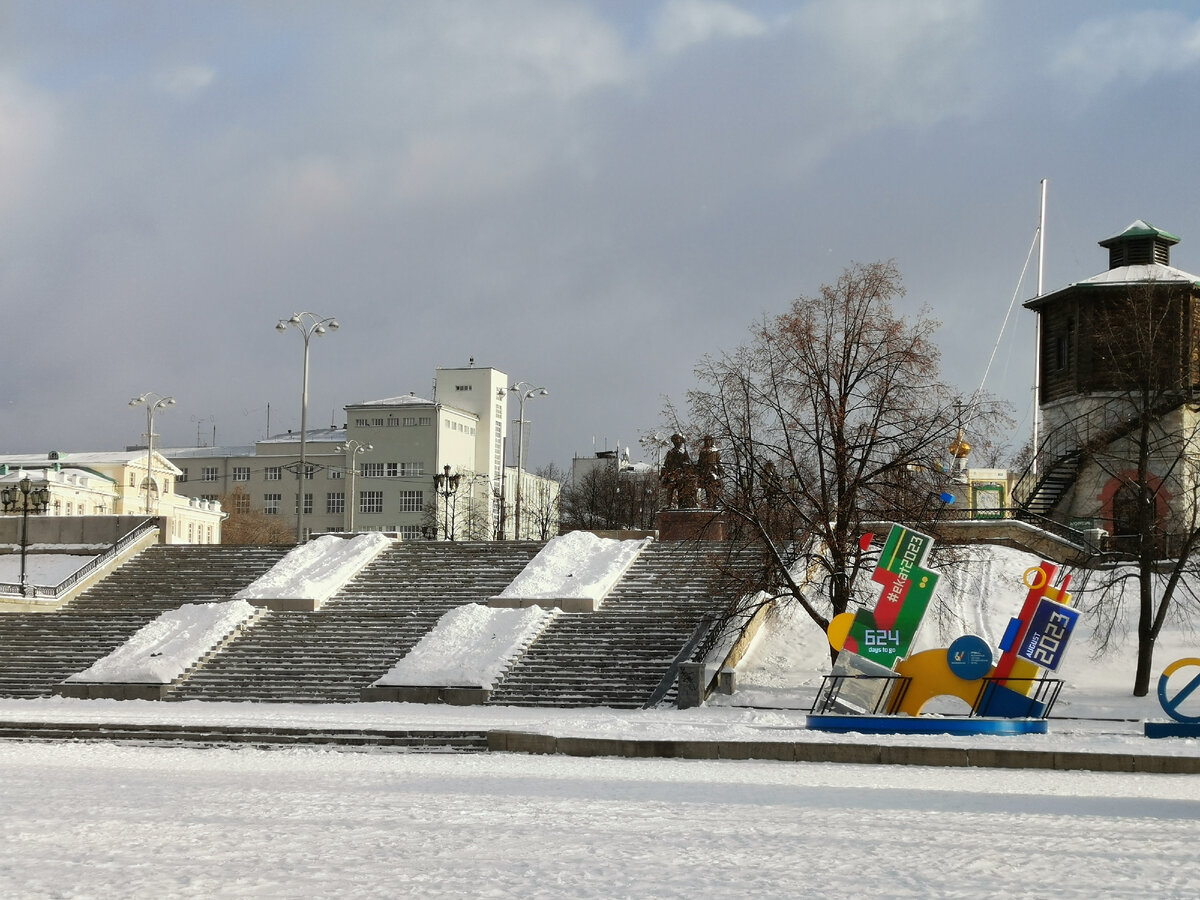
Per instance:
(874,675)
(1174,696)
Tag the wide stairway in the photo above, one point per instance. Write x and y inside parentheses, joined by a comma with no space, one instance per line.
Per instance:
(38,650)
(619,655)
(330,655)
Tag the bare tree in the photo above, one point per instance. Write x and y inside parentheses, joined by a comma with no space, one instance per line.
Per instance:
(245,525)
(831,416)
(542,505)
(1135,446)
(608,498)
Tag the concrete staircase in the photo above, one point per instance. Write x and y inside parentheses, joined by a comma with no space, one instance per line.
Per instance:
(618,655)
(38,650)
(330,655)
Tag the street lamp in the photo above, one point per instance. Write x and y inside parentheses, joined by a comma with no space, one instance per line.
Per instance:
(25,497)
(153,403)
(446,485)
(352,449)
(308,324)
(525,391)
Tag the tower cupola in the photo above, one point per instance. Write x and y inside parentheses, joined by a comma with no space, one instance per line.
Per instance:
(1141,244)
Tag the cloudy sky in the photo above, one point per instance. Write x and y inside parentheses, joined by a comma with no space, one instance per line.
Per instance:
(586,195)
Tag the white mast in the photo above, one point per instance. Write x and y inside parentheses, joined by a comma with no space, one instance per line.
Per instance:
(1037,352)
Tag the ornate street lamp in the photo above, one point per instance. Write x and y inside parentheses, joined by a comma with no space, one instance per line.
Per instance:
(446,485)
(352,449)
(308,325)
(525,391)
(25,497)
(154,402)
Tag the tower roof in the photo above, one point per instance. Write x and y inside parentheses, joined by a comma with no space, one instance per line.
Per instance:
(1139,228)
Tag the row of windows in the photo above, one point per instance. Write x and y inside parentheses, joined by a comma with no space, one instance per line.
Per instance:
(275,473)
(460,426)
(393,422)
(391,469)
(335,502)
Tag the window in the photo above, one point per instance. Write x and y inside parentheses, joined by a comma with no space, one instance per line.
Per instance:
(412,501)
(133,481)
(393,422)
(371,470)
(462,387)
(362,423)
(241,503)
(209,473)
(191,532)
(410,532)
(393,469)
(182,476)
(335,503)
(335,472)
(425,420)
(308,504)
(377,423)
(370,502)
(271,504)
(409,469)
(210,497)
(241,473)
(310,470)
(274,473)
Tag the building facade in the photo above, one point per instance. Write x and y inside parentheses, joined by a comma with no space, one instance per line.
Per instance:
(116,483)
(422,468)
(1119,372)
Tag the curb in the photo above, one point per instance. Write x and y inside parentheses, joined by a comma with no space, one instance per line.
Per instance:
(860,754)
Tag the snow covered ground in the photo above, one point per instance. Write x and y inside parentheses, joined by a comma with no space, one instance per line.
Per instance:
(106,820)
(93,820)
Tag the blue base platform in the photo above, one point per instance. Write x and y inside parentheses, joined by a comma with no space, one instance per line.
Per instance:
(925,725)
(1172,729)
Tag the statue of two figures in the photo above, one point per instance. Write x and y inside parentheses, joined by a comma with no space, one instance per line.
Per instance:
(684,480)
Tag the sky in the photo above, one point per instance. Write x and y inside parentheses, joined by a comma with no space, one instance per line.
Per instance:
(589,196)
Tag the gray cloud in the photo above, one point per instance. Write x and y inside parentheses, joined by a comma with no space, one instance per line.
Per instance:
(588,196)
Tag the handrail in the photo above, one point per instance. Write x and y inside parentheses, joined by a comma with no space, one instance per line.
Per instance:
(672,672)
(54,592)
(1082,434)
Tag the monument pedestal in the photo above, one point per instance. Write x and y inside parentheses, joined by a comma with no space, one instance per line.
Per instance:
(691,525)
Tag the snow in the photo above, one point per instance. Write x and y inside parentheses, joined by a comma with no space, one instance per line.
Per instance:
(48,569)
(95,819)
(316,570)
(162,650)
(469,647)
(574,566)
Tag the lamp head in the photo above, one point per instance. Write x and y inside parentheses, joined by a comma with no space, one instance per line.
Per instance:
(333,325)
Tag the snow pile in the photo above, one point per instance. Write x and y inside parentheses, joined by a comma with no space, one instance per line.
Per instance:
(316,570)
(470,646)
(162,650)
(578,566)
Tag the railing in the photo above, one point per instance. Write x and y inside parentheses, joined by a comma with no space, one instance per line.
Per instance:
(672,673)
(54,592)
(888,699)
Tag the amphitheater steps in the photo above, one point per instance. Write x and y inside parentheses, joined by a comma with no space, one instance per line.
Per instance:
(330,655)
(619,655)
(38,650)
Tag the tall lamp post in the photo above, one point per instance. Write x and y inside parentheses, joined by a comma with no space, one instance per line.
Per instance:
(153,402)
(525,391)
(25,497)
(446,485)
(352,449)
(308,325)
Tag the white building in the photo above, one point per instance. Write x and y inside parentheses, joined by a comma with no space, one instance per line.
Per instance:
(115,483)
(419,467)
